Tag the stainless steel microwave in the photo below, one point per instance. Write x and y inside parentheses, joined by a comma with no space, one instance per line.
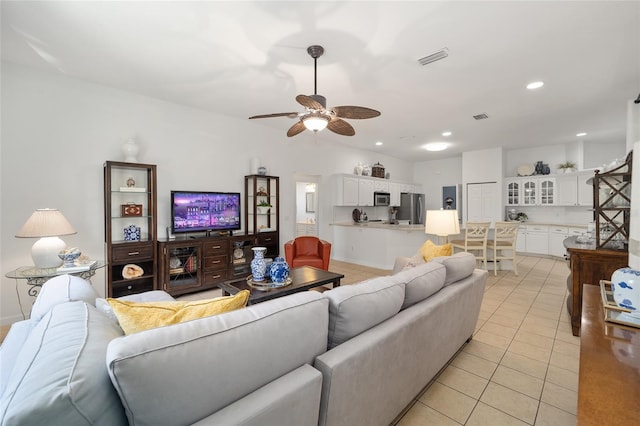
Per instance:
(381,198)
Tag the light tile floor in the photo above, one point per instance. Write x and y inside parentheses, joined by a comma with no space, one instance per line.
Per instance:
(521,368)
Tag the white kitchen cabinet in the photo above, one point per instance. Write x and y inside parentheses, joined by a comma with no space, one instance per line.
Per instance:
(567,189)
(537,191)
(547,191)
(381,185)
(521,241)
(365,192)
(537,239)
(557,235)
(513,191)
(346,191)
(574,190)
(585,188)
(394,191)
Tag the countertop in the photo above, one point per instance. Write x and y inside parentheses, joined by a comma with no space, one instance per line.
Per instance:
(380,225)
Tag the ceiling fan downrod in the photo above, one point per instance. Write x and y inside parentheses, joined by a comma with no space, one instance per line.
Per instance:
(315,52)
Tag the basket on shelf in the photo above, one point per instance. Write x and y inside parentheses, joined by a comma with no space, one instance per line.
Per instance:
(377,170)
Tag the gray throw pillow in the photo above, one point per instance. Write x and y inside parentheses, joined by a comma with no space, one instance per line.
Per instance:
(459,266)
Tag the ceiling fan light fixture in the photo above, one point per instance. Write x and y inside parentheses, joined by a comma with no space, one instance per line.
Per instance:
(315,122)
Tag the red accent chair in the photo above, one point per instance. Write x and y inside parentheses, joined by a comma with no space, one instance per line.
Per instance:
(308,251)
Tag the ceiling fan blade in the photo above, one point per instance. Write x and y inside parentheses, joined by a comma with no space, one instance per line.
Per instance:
(341,127)
(355,112)
(296,128)
(309,102)
(279,114)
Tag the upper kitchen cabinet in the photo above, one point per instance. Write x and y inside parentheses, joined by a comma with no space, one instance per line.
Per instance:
(352,190)
(531,191)
(575,189)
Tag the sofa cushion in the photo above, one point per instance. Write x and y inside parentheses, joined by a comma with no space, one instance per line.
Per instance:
(62,289)
(186,372)
(358,307)
(134,317)
(60,375)
(429,250)
(147,296)
(421,282)
(459,266)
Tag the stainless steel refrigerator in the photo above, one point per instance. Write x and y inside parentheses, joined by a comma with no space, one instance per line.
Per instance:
(412,208)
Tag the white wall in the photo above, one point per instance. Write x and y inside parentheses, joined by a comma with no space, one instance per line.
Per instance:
(433,175)
(58,131)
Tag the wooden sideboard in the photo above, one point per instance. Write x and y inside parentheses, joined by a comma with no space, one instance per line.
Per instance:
(588,266)
(609,380)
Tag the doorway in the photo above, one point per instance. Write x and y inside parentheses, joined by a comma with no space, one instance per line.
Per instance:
(306,205)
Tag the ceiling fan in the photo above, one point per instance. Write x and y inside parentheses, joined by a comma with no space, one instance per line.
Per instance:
(316,116)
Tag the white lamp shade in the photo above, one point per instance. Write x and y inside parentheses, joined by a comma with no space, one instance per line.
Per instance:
(46,224)
(442,222)
(315,122)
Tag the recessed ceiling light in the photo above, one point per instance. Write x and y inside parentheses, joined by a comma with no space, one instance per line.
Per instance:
(436,146)
(446,133)
(581,134)
(535,85)
(378,143)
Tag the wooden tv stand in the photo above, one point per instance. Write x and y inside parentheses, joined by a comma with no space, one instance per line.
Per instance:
(189,265)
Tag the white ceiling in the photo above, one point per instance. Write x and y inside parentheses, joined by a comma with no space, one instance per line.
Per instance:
(246,58)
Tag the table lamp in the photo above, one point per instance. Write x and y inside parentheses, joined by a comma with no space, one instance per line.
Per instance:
(46,224)
(442,223)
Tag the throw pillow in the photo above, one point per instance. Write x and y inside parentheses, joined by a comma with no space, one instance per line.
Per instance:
(139,316)
(430,250)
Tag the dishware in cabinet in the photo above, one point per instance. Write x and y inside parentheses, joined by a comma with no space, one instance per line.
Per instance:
(130,217)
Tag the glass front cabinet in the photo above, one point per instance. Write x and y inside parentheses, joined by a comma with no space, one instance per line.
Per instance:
(262,211)
(130,227)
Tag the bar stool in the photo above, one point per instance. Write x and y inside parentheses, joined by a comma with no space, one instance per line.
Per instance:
(504,240)
(475,240)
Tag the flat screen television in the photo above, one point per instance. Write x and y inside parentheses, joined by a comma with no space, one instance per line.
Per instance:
(193,211)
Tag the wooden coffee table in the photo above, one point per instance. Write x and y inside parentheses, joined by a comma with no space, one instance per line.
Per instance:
(303,278)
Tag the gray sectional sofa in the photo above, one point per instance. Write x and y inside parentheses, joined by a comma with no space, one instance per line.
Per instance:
(354,355)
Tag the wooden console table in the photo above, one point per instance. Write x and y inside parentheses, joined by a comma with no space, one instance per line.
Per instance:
(609,367)
(588,266)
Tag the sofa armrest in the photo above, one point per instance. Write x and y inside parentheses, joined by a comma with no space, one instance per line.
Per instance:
(293,399)
(289,251)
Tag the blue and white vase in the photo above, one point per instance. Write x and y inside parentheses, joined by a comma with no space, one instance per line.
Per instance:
(258,264)
(625,283)
(279,270)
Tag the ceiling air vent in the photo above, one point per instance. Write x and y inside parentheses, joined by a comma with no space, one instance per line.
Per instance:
(481,116)
(435,56)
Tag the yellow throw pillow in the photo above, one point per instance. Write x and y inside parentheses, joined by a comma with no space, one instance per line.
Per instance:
(430,250)
(139,316)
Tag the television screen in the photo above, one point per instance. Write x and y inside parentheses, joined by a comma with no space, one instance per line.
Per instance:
(205,211)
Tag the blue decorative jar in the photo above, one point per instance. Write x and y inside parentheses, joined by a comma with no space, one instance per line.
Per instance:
(258,264)
(279,270)
(625,284)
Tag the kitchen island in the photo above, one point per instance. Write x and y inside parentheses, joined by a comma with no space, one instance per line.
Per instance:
(376,244)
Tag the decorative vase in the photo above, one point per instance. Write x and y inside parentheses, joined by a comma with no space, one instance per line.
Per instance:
(130,149)
(69,257)
(262,171)
(279,270)
(625,283)
(539,167)
(546,169)
(258,264)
